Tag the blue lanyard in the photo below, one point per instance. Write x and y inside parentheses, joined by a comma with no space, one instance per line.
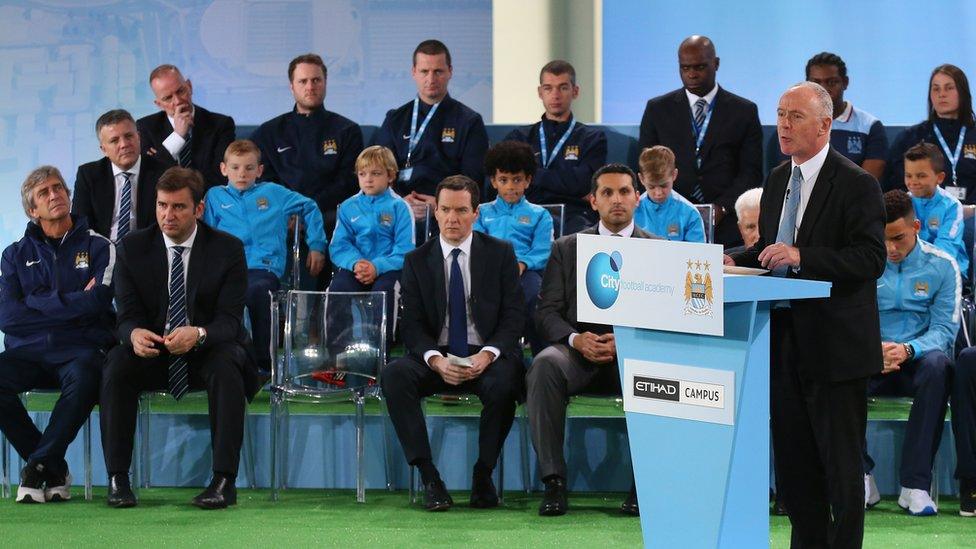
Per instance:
(953,157)
(543,151)
(701,134)
(415,134)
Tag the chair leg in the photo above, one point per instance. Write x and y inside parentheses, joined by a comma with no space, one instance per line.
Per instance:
(501,476)
(249,453)
(387,458)
(412,483)
(145,422)
(274,446)
(360,443)
(5,465)
(88,459)
(524,450)
(286,431)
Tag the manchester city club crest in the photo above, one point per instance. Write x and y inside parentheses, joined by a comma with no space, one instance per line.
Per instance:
(329,146)
(82,260)
(386,219)
(854,144)
(572,152)
(921,289)
(262,203)
(698,289)
(969,151)
(448,135)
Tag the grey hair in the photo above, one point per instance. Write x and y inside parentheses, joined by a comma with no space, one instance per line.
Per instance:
(824,101)
(748,200)
(35,178)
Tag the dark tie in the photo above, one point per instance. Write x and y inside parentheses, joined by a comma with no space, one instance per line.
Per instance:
(787,225)
(457,329)
(185,155)
(125,207)
(179,382)
(700,107)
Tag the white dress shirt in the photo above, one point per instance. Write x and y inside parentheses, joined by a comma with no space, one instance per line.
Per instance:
(187,247)
(709,97)
(174,142)
(464,262)
(602,229)
(119,183)
(810,170)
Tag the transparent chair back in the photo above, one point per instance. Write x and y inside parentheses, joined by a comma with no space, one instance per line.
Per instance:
(423,222)
(558,213)
(707,212)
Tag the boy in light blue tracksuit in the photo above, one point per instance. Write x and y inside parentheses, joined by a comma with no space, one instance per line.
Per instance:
(919,297)
(374,230)
(510,166)
(662,211)
(258,214)
(939,213)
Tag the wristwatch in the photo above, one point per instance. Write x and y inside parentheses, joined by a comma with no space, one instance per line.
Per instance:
(201,336)
(910,351)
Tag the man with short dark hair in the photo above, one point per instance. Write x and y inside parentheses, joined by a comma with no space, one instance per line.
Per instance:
(567,151)
(581,356)
(117,193)
(856,134)
(715,136)
(434,135)
(183,133)
(180,289)
(310,149)
(57,319)
(463,313)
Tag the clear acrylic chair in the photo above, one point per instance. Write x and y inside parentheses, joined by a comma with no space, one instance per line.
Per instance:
(333,352)
(423,220)
(558,213)
(707,213)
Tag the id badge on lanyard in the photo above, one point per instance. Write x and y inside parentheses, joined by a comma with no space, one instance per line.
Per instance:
(953,187)
(415,135)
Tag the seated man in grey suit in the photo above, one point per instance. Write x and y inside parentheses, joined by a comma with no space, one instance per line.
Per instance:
(581,356)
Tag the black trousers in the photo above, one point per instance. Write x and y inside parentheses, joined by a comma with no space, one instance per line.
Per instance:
(217,370)
(407,380)
(818,432)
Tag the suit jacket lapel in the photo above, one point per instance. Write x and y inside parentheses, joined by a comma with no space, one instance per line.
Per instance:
(106,194)
(160,272)
(821,190)
(435,262)
(777,193)
(195,269)
(685,121)
(716,108)
(477,266)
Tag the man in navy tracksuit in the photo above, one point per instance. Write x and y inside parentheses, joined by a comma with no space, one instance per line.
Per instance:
(310,149)
(433,136)
(573,150)
(57,318)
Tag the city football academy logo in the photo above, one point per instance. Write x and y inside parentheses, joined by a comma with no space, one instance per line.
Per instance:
(603,278)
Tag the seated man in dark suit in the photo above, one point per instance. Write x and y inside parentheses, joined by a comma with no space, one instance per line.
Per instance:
(57,319)
(715,136)
(581,356)
(180,291)
(463,312)
(122,185)
(181,133)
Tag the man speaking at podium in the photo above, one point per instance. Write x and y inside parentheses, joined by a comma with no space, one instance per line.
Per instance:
(821,218)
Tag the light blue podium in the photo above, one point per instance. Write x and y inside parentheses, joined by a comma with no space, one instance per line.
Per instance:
(699,483)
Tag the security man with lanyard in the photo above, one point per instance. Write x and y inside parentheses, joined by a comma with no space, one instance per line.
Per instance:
(568,151)
(433,136)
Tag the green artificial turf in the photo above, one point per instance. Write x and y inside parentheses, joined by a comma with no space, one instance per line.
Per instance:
(332,518)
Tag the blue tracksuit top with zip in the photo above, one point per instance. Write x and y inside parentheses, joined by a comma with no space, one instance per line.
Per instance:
(43,302)
(942,224)
(674,219)
(258,216)
(377,228)
(919,300)
(526,225)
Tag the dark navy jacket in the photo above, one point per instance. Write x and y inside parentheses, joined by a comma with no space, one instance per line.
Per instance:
(43,302)
(314,155)
(913,135)
(567,180)
(455,142)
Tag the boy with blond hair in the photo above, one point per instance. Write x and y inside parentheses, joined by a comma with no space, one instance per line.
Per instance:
(662,211)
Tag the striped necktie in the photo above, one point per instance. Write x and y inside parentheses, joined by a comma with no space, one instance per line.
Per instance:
(185,155)
(700,107)
(787,225)
(179,381)
(125,208)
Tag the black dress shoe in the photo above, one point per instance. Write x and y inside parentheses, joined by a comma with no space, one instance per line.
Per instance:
(779,508)
(629,506)
(436,497)
(218,495)
(555,501)
(483,493)
(120,493)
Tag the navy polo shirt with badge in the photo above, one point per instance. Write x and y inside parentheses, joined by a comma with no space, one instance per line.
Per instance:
(314,155)
(567,179)
(454,142)
(856,134)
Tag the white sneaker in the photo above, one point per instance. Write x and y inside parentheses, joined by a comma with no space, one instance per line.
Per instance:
(62,492)
(871,494)
(31,489)
(917,502)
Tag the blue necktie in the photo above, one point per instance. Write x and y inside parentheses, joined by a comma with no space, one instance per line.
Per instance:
(185,155)
(700,106)
(457,328)
(179,382)
(787,225)
(125,208)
